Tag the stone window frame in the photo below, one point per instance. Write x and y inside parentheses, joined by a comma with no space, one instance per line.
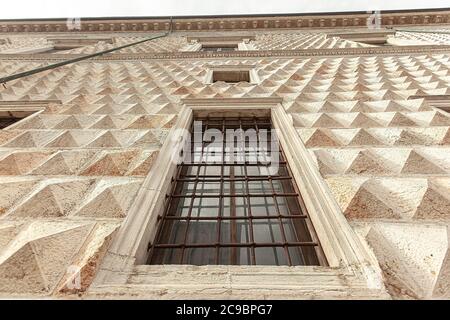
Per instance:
(31,109)
(352,270)
(72,42)
(250,68)
(243,42)
(375,38)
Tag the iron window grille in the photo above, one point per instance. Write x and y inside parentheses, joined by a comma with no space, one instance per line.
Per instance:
(234,211)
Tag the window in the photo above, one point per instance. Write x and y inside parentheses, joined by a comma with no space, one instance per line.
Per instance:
(8,118)
(441,102)
(378,38)
(219,43)
(139,256)
(6,122)
(55,50)
(67,43)
(445,108)
(12,112)
(227,206)
(231,74)
(27,50)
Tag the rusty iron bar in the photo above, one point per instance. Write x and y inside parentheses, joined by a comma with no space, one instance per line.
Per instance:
(235,245)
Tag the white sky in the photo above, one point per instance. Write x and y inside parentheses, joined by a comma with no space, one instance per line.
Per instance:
(14,9)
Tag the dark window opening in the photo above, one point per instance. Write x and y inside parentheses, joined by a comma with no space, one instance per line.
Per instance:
(6,122)
(58,49)
(382,44)
(441,102)
(444,108)
(234,76)
(8,118)
(234,212)
(219,48)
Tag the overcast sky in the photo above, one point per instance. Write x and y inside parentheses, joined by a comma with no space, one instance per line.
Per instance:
(13,9)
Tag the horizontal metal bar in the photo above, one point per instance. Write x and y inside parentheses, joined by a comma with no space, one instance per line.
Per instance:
(235,245)
(241,195)
(240,164)
(232,179)
(218,218)
(250,177)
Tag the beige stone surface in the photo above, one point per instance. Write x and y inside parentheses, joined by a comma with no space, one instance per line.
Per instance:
(69,175)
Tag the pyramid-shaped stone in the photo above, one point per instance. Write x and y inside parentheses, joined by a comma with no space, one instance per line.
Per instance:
(363,138)
(107,140)
(21,273)
(326,121)
(320,139)
(65,140)
(416,163)
(435,203)
(365,204)
(366,163)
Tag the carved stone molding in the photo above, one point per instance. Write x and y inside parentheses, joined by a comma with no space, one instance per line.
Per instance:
(331,20)
(362,51)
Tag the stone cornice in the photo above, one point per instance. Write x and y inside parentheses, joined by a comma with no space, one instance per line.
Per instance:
(341,20)
(336,52)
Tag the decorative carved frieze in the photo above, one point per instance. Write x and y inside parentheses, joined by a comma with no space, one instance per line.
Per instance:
(359,51)
(230,23)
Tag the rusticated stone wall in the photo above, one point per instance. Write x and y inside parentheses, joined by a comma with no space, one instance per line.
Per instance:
(69,174)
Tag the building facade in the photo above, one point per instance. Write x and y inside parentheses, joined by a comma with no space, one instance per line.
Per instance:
(360,103)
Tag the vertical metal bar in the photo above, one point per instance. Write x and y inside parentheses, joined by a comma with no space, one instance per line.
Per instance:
(233,227)
(221,198)
(186,233)
(161,220)
(280,220)
(252,238)
(269,221)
